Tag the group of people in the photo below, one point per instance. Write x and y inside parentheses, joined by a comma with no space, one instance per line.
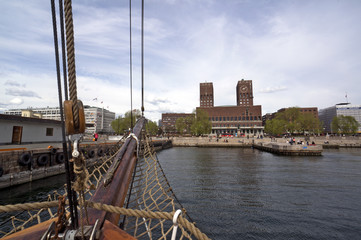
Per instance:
(300,142)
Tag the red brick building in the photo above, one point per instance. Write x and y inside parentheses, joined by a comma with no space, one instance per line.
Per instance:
(169,120)
(244,119)
(270,116)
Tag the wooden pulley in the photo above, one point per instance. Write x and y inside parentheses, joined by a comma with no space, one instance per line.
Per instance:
(69,118)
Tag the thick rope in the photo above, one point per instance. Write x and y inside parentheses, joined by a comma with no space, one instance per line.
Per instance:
(148,214)
(113,209)
(28,206)
(71,59)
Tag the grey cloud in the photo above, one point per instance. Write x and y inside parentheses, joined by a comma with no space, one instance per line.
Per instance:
(273,89)
(21,92)
(158,101)
(14,84)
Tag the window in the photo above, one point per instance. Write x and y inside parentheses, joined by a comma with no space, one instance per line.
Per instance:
(216,118)
(224,118)
(49,131)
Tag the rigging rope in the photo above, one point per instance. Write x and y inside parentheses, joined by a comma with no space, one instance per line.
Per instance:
(71,60)
(142,57)
(130,64)
(66,162)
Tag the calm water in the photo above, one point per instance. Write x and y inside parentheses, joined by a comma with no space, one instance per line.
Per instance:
(248,194)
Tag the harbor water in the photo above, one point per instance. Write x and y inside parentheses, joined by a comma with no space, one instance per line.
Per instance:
(234,193)
(249,194)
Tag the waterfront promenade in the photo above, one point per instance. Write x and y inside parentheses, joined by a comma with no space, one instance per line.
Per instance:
(326,142)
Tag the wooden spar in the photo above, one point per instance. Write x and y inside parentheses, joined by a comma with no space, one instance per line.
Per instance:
(115,192)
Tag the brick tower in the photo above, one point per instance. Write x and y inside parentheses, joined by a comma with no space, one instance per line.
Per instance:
(244,93)
(206,95)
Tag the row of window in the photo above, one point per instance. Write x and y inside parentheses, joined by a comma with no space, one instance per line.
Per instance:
(235,125)
(243,118)
(245,95)
(233,132)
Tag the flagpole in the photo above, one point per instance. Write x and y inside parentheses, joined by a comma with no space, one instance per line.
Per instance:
(346,98)
(102,117)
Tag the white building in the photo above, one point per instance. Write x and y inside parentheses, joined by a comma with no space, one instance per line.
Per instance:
(326,115)
(20,130)
(96,119)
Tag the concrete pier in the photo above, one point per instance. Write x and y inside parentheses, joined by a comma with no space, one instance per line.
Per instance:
(290,150)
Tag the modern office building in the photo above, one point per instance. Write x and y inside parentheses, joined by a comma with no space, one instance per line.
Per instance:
(326,115)
(243,119)
(96,119)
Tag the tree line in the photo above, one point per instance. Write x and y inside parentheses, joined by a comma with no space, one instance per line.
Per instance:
(122,124)
(292,121)
(196,124)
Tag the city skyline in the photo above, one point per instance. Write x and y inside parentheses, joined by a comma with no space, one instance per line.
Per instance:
(297,54)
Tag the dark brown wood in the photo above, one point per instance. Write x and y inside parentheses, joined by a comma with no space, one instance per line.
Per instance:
(115,192)
(34,232)
(69,118)
(17,134)
(110,232)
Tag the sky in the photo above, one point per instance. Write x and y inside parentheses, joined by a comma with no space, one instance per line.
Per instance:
(297,53)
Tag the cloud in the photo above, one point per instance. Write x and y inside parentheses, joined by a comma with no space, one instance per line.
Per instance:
(272,89)
(158,101)
(17,101)
(21,92)
(14,84)
(275,44)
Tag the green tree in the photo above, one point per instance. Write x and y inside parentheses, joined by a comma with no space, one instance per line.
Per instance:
(310,124)
(275,126)
(201,124)
(152,127)
(344,124)
(180,125)
(292,119)
(122,124)
(117,125)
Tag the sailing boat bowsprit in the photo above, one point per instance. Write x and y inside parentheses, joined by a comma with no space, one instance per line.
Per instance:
(125,196)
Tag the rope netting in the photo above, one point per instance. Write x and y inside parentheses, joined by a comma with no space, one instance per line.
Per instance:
(147,213)
(29,213)
(151,192)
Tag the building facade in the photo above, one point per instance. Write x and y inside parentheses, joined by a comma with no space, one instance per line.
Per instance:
(206,96)
(96,119)
(326,115)
(306,110)
(19,130)
(169,120)
(244,93)
(244,119)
